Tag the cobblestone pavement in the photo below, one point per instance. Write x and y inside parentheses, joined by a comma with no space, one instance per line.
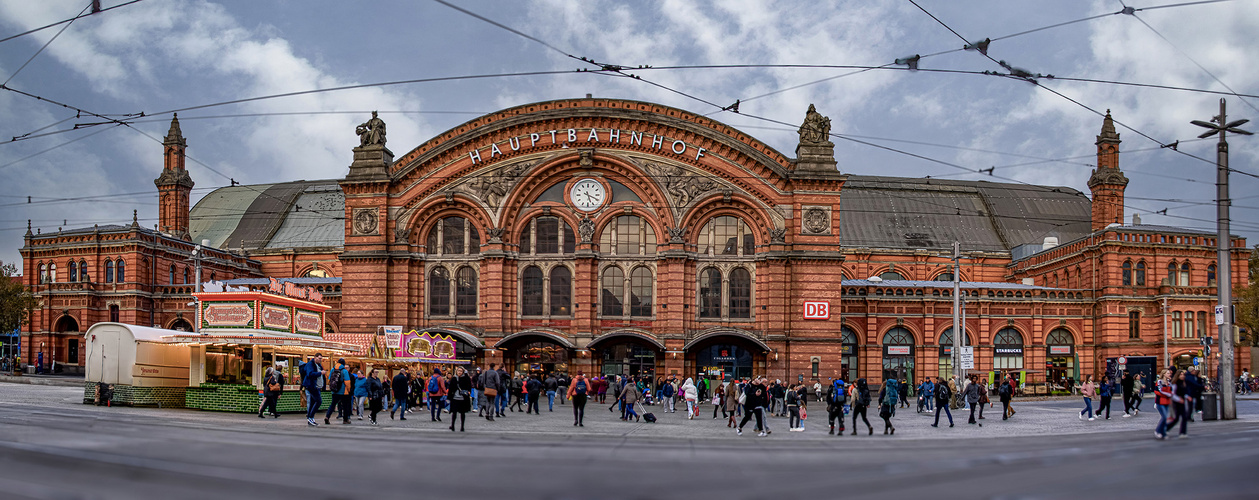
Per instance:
(53,446)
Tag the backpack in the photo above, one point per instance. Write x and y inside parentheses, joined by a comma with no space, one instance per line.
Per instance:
(433,386)
(864,393)
(335,380)
(1004,389)
(942,392)
(581,387)
(668,390)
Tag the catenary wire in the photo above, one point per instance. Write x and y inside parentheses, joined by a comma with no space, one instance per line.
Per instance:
(46,44)
(41,28)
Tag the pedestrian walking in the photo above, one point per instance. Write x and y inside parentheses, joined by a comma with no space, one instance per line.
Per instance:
(972,393)
(860,403)
(312,384)
(944,395)
(690,393)
(756,398)
(376,394)
(666,397)
(400,385)
(628,396)
(902,389)
(719,400)
(1005,391)
(563,384)
(533,390)
(887,402)
(794,423)
(360,393)
(1126,383)
(577,393)
(436,390)
(1089,391)
(272,386)
(733,396)
(1164,396)
(835,406)
(1014,385)
(341,385)
(1105,391)
(491,388)
(1137,388)
(516,390)
(551,385)
(460,396)
(1194,388)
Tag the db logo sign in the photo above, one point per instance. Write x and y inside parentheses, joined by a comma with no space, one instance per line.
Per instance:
(817,310)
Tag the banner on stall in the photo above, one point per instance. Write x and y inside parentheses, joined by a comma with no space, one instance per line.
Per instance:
(425,347)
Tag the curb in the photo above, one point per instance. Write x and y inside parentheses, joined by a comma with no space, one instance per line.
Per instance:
(60,382)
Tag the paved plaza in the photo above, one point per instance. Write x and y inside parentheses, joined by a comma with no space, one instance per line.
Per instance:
(53,446)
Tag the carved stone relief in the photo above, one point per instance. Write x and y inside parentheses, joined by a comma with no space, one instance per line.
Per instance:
(586,230)
(491,187)
(817,220)
(365,221)
(683,186)
(777,235)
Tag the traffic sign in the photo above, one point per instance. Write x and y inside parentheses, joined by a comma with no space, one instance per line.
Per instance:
(1123,360)
(967,357)
(1219,315)
(1197,361)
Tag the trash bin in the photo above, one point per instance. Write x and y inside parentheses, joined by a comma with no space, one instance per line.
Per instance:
(1210,406)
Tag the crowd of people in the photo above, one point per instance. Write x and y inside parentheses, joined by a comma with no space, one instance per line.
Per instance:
(494,392)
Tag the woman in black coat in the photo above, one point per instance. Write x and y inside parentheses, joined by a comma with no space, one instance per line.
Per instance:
(460,398)
(376,393)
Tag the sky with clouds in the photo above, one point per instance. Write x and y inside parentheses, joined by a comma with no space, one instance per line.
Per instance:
(160,55)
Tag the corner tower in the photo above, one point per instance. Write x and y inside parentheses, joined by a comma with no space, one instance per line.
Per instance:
(1107,182)
(174,186)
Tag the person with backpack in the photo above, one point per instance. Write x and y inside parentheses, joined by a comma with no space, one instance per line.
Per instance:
(944,395)
(341,385)
(887,404)
(835,406)
(756,398)
(1005,392)
(400,386)
(436,392)
(860,403)
(578,390)
(666,397)
(533,388)
(312,384)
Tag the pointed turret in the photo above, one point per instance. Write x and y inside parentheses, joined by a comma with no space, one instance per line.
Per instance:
(1107,182)
(174,185)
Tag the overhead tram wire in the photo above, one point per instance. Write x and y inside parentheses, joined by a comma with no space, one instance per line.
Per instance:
(81,15)
(1194,61)
(46,44)
(67,143)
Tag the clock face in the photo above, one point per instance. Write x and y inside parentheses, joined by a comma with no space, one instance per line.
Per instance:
(587,195)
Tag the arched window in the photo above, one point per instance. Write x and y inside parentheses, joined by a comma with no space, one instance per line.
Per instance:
(83,271)
(114,313)
(1171,274)
(1007,347)
(1066,277)
(121,275)
(946,276)
(43,273)
(1184,275)
(946,341)
(1210,274)
(547,235)
(439,292)
(891,276)
(453,236)
(317,272)
(628,235)
(172,274)
(613,292)
(561,291)
(640,292)
(531,290)
(1141,273)
(1059,337)
(726,235)
(109,271)
(74,271)
(1127,273)
(740,293)
(710,293)
(898,336)
(187,280)
(52,272)
(465,292)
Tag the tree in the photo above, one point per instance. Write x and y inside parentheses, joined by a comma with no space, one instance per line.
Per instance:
(1246,300)
(15,301)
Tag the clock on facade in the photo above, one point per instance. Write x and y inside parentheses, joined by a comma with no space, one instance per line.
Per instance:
(587,195)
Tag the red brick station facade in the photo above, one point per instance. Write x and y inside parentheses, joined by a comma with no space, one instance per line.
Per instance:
(617,236)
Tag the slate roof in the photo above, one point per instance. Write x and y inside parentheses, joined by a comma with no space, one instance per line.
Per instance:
(910,213)
(299,214)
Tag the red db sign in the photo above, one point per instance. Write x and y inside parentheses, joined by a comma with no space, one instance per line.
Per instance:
(817,310)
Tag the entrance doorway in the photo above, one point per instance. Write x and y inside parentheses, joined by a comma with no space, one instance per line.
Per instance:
(540,356)
(898,354)
(724,360)
(628,359)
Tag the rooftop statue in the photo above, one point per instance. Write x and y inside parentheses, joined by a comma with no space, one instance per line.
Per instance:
(816,128)
(372,132)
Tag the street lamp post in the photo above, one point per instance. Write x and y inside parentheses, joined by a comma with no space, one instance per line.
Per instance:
(1224,280)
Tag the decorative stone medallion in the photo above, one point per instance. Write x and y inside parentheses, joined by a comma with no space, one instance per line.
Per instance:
(365,221)
(817,220)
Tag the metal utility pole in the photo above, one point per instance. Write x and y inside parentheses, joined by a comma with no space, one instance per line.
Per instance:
(1224,279)
(957,328)
(1167,362)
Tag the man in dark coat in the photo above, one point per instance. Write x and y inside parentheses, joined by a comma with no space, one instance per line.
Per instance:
(400,385)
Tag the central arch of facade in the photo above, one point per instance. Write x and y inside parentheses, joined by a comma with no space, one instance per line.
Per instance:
(691,227)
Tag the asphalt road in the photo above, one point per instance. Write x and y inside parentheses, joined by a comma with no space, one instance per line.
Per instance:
(53,447)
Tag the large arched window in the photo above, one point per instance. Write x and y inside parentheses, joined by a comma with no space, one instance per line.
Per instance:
(172,274)
(1141,273)
(121,275)
(439,292)
(83,271)
(1171,274)
(561,291)
(945,276)
(187,280)
(531,290)
(74,271)
(891,276)
(52,272)
(613,291)
(710,293)
(1127,273)
(109,271)
(726,235)
(1211,274)
(547,235)
(740,293)
(1184,275)
(465,292)
(898,336)
(628,235)
(453,236)
(1059,337)
(43,273)
(848,354)
(641,292)
(946,352)
(1007,347)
